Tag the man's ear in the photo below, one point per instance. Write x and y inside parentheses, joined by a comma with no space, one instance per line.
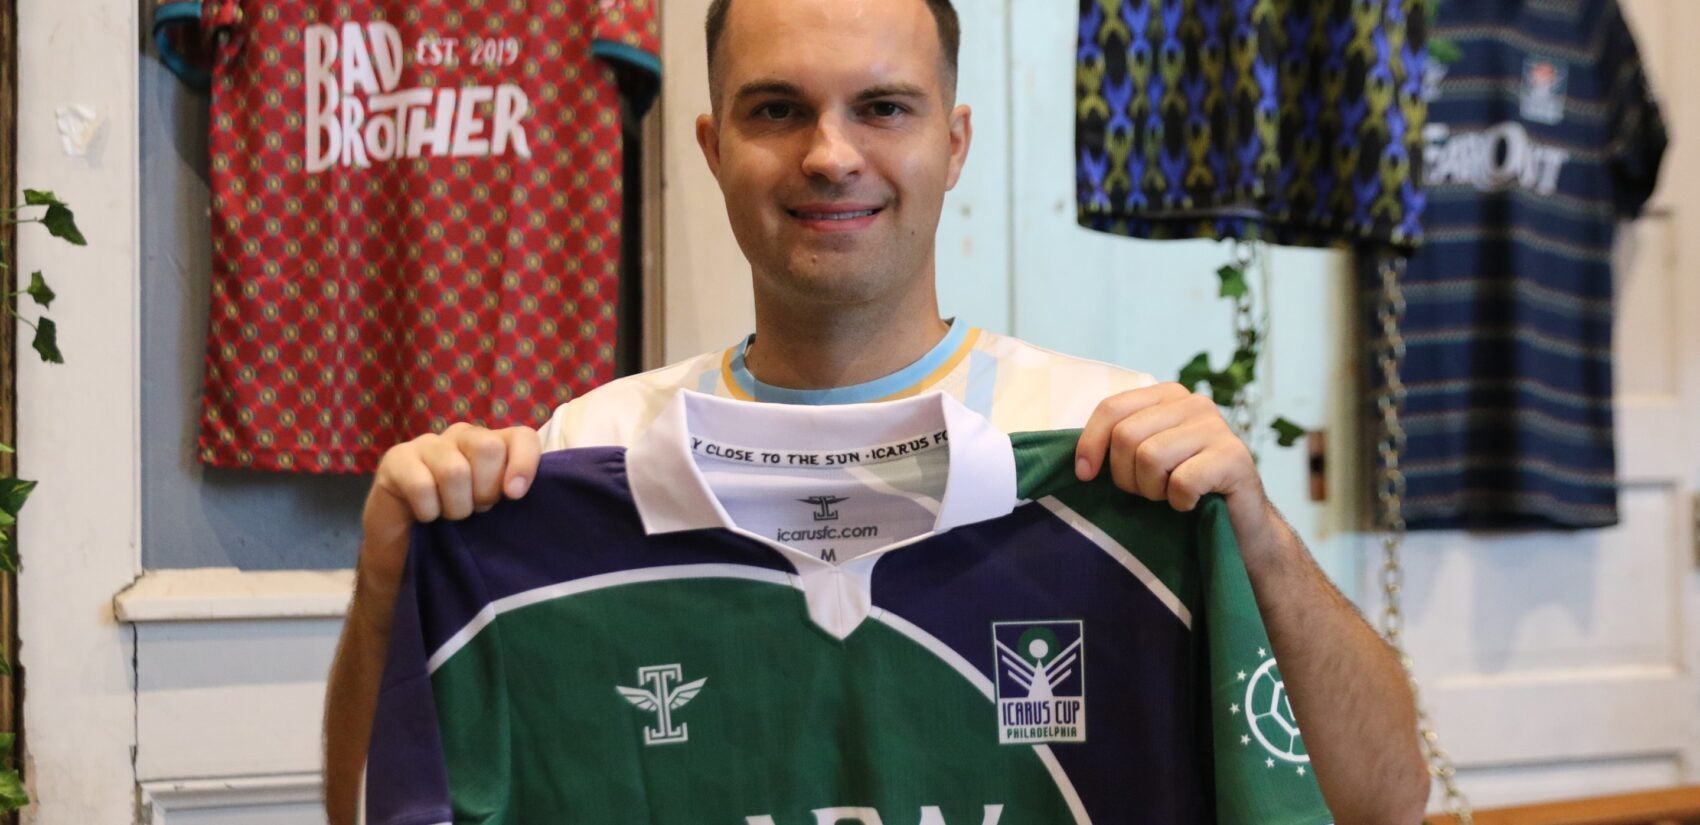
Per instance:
(708,137)
(961,135)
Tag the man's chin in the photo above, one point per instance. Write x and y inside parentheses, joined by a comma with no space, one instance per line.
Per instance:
(838,282)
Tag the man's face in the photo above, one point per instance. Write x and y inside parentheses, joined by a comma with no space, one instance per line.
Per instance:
(834,141)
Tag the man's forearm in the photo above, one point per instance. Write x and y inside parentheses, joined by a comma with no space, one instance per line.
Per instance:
(351,700)
(1348,690)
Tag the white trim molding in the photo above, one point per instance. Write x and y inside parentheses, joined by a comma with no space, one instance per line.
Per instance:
(79,422)
(226,593)
(234,800)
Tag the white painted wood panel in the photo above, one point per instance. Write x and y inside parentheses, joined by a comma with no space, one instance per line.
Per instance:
(706,299)
(1647,306)
(1492,787)
(78,422)
(231,698)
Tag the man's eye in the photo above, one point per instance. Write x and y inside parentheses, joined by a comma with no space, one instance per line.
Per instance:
(885,108)
(774,111)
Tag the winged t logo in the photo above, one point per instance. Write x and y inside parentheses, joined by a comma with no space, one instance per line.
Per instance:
(823,505)
(668,696)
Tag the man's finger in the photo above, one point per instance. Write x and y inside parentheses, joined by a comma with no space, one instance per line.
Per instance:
(486,456)
(1204,472)
(524,449)
(403,476)
(1159,455)
(452,474)
(1094,444)
(1130,433)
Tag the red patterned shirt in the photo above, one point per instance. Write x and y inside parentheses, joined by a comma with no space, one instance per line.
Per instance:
(416,218)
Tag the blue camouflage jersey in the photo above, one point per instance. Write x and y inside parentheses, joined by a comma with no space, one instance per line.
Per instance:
(1292,121)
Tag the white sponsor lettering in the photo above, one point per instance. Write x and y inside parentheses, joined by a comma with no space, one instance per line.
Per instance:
(930,815)
(358,114)
(1494,159)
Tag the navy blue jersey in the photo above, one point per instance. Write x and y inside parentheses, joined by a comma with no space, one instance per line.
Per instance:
(1543,134)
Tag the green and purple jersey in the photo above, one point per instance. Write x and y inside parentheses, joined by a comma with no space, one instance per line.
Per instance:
(765,614)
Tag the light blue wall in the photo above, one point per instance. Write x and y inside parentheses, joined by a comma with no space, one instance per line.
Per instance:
(193,516)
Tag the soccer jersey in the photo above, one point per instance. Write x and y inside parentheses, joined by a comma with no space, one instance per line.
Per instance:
(764,614)
(415,218)
(1015,384)
(1292,121)
(1543,135)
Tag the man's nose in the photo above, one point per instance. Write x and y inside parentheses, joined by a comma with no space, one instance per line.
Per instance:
(832,154)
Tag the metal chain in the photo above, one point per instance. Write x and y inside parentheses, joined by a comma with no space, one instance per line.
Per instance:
(1243,414)
(1390,310)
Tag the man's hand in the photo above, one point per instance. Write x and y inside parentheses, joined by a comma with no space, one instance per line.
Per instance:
(1347,689)
(465,470)
(1168,444)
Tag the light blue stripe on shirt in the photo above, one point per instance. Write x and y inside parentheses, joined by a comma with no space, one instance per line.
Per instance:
(874,390)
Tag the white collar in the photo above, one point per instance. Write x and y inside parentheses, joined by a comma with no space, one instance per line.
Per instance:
(671,494)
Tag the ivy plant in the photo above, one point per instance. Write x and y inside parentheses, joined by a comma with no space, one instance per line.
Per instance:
(48,210)
(1230,384)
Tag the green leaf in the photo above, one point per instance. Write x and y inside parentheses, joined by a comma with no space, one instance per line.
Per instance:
(1197,370)
(1286,432)
(38,197)
(40,291)
(1221,393)
(1243,368)
(7,519)
(47,342)
(1444,51)
(6,448)
(6,739)
(8,552)
(1238,375)
(61,224)
(12,795)
(13,493)
(1233,282)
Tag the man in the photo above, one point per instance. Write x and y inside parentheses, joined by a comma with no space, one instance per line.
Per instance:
(834,136)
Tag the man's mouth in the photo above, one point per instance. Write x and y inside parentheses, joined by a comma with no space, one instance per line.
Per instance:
(820,214)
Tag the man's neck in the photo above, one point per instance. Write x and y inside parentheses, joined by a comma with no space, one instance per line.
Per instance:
(808,351)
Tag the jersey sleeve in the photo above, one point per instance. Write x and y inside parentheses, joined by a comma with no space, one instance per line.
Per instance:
(1638,138)
(182,46)
(406,776)
(628,36)
(192,36)
(1258,764)
(1261,767)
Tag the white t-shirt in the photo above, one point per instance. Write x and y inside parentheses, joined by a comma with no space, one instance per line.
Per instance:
(1017,386)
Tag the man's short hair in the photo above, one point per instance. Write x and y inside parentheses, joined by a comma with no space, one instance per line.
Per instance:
(944,14)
